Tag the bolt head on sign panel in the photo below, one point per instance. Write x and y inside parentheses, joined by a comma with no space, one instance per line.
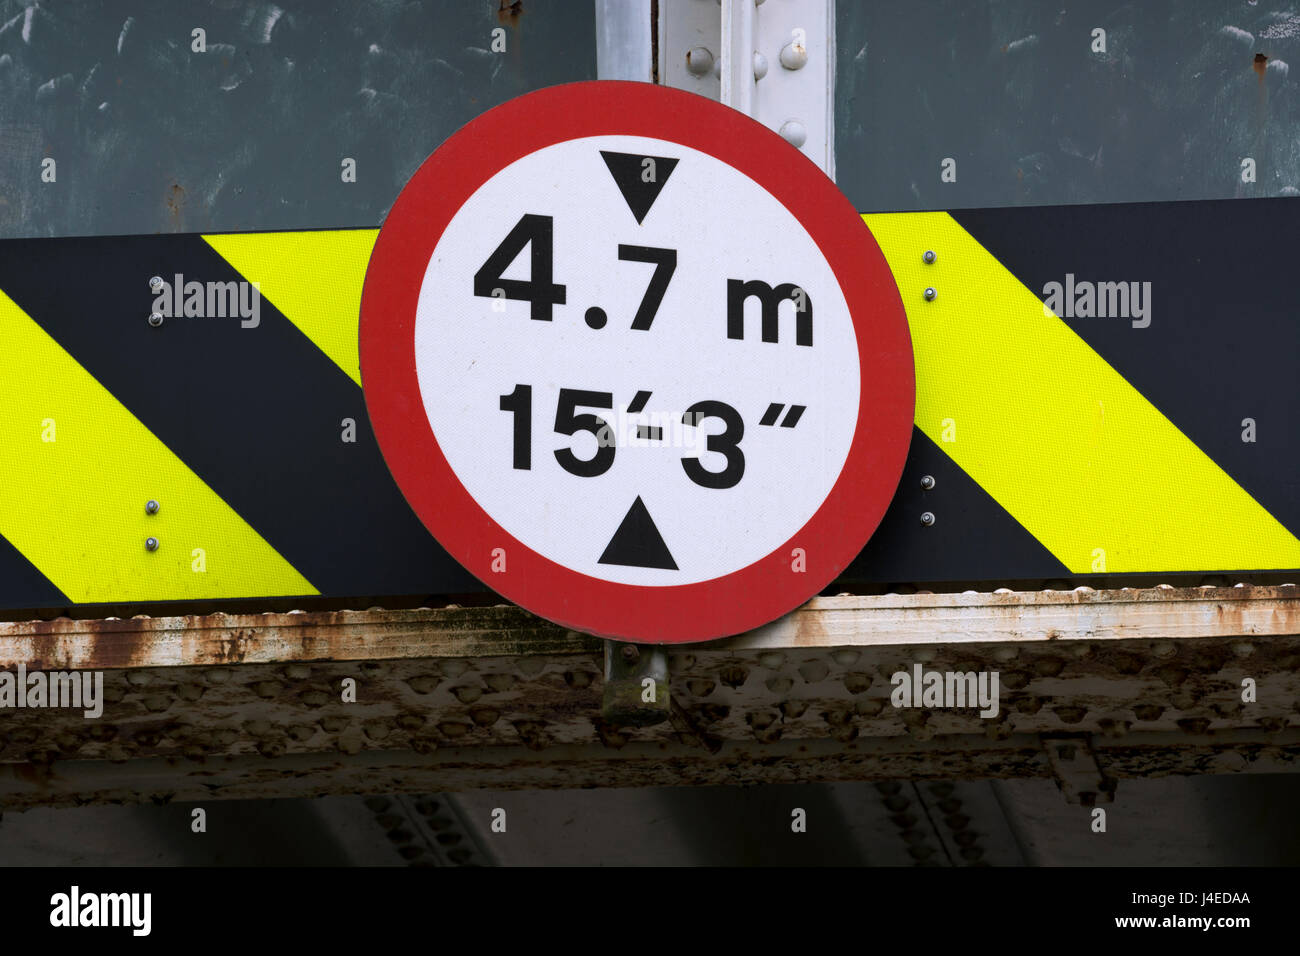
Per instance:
(636,362)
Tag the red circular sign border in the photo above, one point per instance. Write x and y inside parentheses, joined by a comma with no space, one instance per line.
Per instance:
(748,597)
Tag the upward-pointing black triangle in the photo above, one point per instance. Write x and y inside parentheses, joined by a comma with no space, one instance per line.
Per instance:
(631,173)
(637,542)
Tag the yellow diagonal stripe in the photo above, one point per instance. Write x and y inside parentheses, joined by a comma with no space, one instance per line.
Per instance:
(76,469)
(1054,434)
(313,278)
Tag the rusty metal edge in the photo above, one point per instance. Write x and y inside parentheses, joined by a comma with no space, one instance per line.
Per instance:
(505,630)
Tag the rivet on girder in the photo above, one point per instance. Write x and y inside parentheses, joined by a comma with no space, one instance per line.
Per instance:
(794,133)
(699,60)
(794,55)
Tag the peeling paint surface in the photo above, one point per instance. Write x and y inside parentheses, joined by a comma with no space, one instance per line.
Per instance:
(1036,111)
(151,135)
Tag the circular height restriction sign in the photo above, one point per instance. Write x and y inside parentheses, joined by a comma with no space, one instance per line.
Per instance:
(636,362)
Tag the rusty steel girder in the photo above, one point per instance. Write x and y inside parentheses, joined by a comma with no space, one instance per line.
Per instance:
(1146,682)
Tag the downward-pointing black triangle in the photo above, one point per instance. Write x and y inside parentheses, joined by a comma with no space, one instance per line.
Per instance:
(637,542)
(630,173)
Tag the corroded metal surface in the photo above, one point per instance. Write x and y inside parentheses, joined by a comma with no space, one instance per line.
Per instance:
(453,698)
(1157,614)
(75,782)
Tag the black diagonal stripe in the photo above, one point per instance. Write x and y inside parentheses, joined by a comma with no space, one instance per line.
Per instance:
(1223,335)
(21,585)
(973,537)
(255,412)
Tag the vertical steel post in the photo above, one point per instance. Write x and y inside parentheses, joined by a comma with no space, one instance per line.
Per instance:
(623,49)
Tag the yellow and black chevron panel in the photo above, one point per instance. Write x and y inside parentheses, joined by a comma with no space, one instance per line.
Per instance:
(1164,439)
(1150,425)
(252,439)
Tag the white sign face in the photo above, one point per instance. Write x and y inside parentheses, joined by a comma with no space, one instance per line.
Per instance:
(636,380)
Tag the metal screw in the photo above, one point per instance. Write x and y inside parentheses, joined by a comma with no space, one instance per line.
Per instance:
(151,507)
(927,518)
(155,319)
(151,544)
(929,256)
(156,283)
(927,482)
(760,65)
(930,294)
(630,652)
